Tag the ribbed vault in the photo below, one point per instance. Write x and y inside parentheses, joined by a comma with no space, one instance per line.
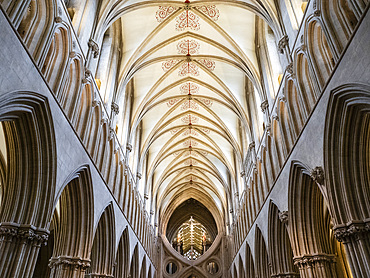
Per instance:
(189,93)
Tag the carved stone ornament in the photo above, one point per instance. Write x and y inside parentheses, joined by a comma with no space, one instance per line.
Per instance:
(27,234)
(74,262)
(139,175)
(95,103)
(355,231)
(311,260)
(290,69)
(284,41)
(283,216)
(317,174)
(58,19)
(115,108)
(129,147)
(264,106)
(87,75)
(94,48)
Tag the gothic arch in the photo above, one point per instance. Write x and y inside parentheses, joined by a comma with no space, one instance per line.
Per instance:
(104,239)
(261,255)
(123,256)
(280,249)
(30,176)
(309,224)
(74,225)
(347,170)
(56,59)
(249,262)
(134,265)
(36,26)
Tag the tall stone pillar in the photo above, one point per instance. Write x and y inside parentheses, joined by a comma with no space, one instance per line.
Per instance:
(356,239)
(68,267)
(19,247)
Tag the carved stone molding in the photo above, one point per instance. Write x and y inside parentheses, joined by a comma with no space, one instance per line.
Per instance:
(264,106)
(353,231)
(275,117)
(111,133)
(139,175)
(98,275)
(115,108)
(75,263)
(290,69)
(283,216)
(310,260)
(95,103)
(283,42)
(27,234)
(129,147)
(58,19)
(317,13)
(86,76)
(72,54)
(317,174)
(94,48)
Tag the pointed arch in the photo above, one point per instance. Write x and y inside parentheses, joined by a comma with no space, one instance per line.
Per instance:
(309,224)
(280,250)
(347,170)
(123,256)
(249,262)
(30,176)
(261,255)
(104,239)
(75,226)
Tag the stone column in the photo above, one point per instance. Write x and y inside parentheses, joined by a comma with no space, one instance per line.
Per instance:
(356,239)
(317,266)
(68,267)
(19,247)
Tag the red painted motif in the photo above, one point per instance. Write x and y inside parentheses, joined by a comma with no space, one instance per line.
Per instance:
(190,161)
(204,153)
(187,20)
(189,68)
(190,104)
(205,130)
(188,47)
(209,64)
(190,132)
(211,11)
(167,65)
(190,142)
(189,88)
(172,102)
(207,102)
(190,119)
(174,131)
(164,12)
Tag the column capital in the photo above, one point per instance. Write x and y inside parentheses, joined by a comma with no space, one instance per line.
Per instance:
(76,263)
(345,232)
(25,233)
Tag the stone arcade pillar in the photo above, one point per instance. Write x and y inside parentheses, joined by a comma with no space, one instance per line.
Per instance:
(68,267)
(19,247)
(356,239)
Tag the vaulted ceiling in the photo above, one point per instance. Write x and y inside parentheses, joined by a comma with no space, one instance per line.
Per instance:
(189,68)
